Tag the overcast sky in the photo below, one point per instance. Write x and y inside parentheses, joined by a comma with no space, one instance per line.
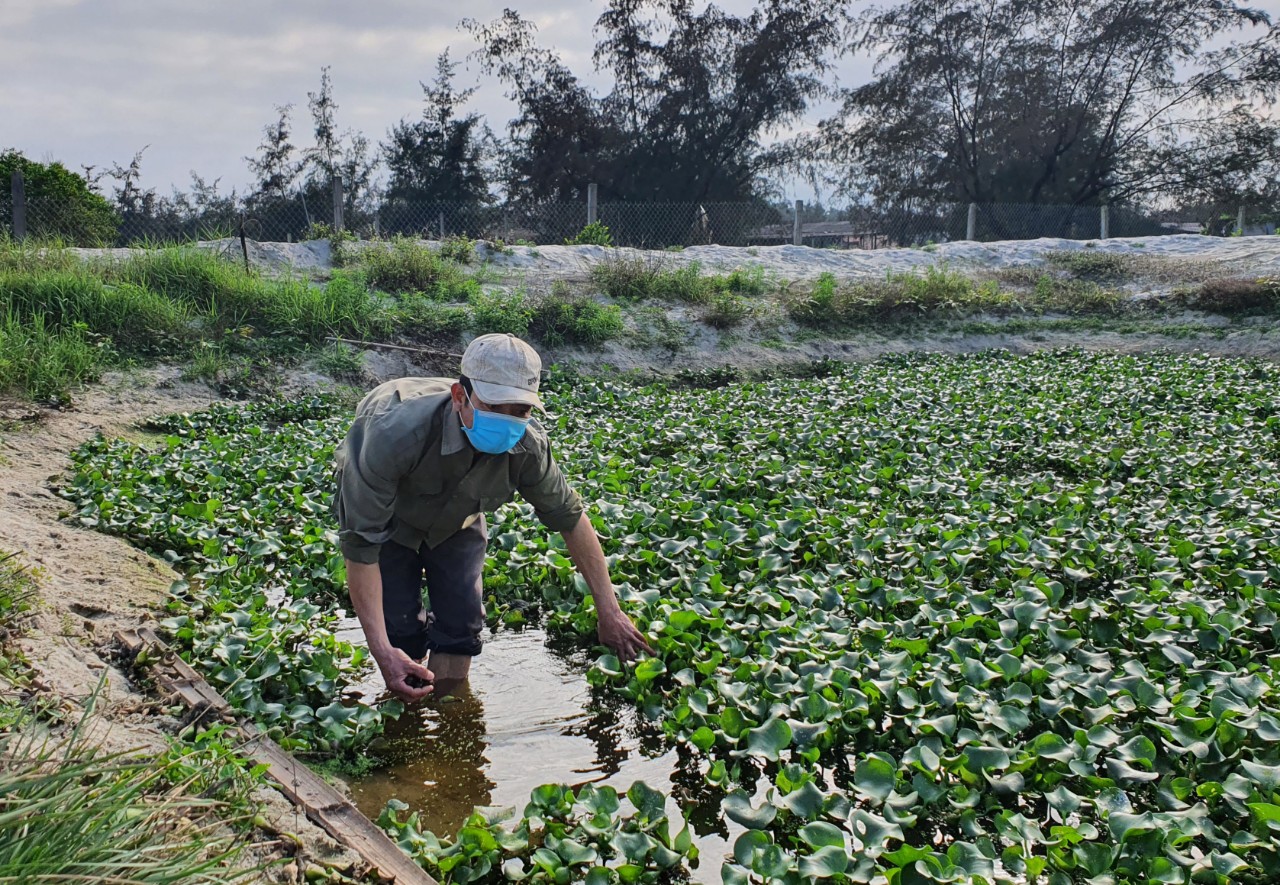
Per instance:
(91,83)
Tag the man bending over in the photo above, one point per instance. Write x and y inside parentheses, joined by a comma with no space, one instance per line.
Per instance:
(424,460)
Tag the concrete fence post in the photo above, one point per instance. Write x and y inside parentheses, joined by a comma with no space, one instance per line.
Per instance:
(337,204)
(593,203)
(797,233)
(1239,222)
(19,205)
(971,226)
(1104,222)
(441,224)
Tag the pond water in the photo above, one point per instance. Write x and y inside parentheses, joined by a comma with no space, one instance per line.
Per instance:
(529,718)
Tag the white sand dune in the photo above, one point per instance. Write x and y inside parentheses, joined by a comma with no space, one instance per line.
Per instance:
(1254,256)
(1251,255)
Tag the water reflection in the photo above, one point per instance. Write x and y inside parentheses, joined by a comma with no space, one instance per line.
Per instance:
(529,718)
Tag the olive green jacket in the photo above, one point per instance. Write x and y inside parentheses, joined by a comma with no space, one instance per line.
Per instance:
(406,473)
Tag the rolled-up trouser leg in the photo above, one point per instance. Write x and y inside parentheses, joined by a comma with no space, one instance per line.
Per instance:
(402,608)
(454,572)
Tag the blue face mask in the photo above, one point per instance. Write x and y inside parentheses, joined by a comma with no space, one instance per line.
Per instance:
(493,432)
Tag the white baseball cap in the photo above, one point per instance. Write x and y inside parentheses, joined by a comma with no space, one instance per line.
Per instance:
(503,369)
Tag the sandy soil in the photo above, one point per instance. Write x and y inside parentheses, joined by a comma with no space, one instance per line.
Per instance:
(92,585)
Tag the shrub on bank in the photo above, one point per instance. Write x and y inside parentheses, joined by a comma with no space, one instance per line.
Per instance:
(1235,296)
(500,311)
(45,364)
(405,265)
(939,291)
(632,279)
(563,316)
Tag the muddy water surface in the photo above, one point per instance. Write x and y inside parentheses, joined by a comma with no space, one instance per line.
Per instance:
(528,718)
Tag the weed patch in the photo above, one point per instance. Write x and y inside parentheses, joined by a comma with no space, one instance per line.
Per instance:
(1091,265)
(35,256)
(47,364)
(405,265)
(458,249)
(594,234)
(726,309)
(566,317)
(1235,296)
(938,292)
(632,279)
(340,360)
(655,328)
(75,813)
(499,311)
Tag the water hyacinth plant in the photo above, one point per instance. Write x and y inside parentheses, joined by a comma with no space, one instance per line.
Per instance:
(931,619)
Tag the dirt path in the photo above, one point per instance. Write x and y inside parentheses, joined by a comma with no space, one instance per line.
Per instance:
(92,584)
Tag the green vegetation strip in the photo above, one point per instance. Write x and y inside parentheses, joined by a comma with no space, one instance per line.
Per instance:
(63,320)
(70,811)
(985,619)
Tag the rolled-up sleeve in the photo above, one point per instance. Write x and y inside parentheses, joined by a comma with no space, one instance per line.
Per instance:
(368,469)
(556,505)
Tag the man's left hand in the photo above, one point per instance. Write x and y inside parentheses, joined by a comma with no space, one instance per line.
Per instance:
(620,634)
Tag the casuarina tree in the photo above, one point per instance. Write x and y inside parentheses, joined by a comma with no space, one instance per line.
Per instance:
(1057,101)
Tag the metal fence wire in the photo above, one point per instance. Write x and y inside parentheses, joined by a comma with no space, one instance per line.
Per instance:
(642,225)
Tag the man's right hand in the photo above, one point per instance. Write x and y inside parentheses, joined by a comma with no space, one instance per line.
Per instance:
(406,678)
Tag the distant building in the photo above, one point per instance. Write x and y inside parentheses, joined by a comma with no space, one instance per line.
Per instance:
(821,235)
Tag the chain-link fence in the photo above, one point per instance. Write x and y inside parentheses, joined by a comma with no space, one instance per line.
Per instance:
(643,225)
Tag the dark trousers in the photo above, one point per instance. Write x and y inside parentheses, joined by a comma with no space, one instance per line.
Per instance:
(452,572)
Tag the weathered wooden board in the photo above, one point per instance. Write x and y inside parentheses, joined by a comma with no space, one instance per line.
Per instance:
(323,804)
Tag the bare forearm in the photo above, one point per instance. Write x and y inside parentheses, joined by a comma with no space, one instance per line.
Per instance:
(364,583)
(615,628)
(405,678)
(584,549)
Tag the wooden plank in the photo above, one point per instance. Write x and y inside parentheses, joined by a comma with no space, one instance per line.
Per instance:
(332,811)
(323,804)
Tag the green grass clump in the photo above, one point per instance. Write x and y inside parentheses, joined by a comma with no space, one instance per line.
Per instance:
(65,320)
(46,364)
(29,256)
(500,311)
(223,297)
(1235,296)
(461,250)
(726,310)
(404,265)
(70,812)
(594,234)
(748,282)
(626,279)
(198,278)
(340,360)
(638,279)
(897,297)
(939,291)
(137,319)
(1091,265)
(421,318)
(566,317)
(655,328)
(17,595)
(17,599)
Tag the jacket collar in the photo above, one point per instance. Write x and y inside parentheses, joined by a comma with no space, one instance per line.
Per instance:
(452,439)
